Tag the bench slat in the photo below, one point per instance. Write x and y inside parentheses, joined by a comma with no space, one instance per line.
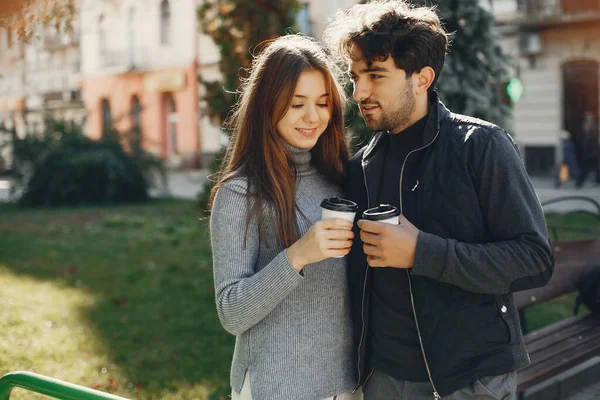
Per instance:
(578,326)
(564,344)
(541,370)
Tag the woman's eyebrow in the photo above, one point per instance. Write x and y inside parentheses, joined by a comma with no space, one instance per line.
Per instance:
(305,97)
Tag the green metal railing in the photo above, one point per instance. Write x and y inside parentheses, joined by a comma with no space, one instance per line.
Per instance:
(49,387)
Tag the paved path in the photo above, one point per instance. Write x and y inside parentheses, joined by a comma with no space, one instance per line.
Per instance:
(545,190)
(591,392)
(187,184)
(183,184)
(180,184)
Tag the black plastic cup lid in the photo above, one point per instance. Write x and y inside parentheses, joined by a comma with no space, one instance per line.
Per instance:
(337,204)
(380,213)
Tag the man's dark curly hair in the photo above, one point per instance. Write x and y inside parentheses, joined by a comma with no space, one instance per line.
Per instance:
(412,35)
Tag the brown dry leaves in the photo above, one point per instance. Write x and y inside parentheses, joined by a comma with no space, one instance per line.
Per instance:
(23,16)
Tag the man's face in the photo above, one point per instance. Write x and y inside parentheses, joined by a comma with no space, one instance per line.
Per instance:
(384,94)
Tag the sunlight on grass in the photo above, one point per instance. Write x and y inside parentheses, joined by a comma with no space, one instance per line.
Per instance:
(42,321)
(119,299)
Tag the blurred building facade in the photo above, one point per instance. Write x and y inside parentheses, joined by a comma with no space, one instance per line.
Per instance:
(557,59)
(12,93)
(52,73)
(139,73)
(129,65)
(140,69)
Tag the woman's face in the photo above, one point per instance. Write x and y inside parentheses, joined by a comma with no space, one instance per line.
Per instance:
(309,113)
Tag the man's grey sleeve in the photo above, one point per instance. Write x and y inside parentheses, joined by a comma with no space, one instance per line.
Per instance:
(521,258)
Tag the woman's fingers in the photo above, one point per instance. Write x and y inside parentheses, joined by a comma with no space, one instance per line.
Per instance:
(334,223)
(339,244)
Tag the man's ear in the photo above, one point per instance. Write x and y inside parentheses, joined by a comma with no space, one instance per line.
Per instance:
(424,79)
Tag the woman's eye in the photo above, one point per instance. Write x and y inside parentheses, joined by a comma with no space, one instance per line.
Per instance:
(323,105)
(297,105)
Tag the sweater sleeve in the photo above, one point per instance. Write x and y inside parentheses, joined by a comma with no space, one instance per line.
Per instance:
(244,296)
(520,255)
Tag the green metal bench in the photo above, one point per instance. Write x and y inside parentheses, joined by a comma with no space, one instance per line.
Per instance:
(49,387)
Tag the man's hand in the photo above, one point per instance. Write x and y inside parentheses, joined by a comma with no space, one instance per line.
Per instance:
(389,245)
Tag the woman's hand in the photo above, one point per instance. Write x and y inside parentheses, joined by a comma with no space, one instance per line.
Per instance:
(326,238)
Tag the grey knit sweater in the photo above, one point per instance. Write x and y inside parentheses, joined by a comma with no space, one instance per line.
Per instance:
(293,332)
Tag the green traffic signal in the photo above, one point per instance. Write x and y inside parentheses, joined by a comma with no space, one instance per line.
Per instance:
(514,89)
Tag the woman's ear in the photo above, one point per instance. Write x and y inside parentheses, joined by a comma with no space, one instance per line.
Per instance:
(425,78)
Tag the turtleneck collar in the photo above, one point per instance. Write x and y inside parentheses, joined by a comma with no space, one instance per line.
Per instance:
(302,159)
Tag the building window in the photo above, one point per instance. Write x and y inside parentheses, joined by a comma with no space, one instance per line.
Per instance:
(101,38)
(106,117)
(172,120)
(136,113)
(131,37)
(303,19)
(540,160)
(165,22)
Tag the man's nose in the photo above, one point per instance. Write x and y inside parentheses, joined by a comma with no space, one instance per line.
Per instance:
(361,91)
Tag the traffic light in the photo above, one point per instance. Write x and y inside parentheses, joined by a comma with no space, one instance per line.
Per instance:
(514,89)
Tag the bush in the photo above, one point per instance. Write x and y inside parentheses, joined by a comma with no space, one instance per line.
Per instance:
(64,167)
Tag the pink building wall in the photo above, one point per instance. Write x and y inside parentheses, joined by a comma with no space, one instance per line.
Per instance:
(120,90)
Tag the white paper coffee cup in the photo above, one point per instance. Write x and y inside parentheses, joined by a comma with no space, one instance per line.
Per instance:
(335,207)
(385,213)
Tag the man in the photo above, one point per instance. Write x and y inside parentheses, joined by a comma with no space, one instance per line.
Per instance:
(432,300)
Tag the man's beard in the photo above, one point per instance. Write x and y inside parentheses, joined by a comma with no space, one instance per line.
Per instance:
(397,115)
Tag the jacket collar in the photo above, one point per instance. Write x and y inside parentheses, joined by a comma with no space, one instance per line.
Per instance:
(437,113)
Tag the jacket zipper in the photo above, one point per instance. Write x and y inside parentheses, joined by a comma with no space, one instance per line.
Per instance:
(436,394)
(362,307)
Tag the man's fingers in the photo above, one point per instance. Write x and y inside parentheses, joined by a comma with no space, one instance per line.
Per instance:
(374,261)
(369,238)
(371,250)
(371,226)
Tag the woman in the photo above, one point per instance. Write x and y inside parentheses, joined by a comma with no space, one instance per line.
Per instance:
(279,286)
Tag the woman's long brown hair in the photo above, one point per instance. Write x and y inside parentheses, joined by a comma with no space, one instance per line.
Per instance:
(259,153)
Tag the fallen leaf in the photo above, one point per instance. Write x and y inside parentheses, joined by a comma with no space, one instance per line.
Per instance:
(120,301)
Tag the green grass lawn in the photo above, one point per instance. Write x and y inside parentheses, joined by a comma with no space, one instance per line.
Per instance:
(121,299)
(116,298)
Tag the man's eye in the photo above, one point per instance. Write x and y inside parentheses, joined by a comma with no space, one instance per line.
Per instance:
(353,78)
(373,76)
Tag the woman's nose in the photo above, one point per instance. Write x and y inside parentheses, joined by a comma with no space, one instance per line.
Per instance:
(311,114)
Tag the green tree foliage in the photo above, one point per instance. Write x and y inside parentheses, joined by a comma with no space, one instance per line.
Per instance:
(237,27)
(477,66)
(64,167)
